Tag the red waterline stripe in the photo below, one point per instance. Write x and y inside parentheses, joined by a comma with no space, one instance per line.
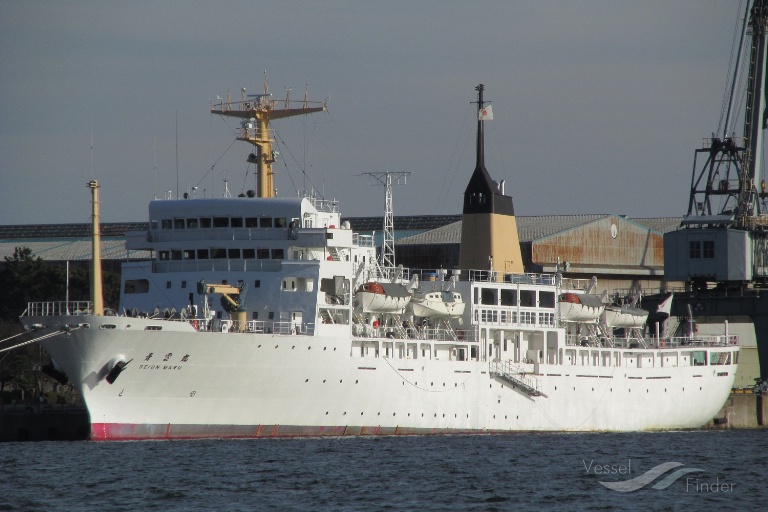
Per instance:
(138,432)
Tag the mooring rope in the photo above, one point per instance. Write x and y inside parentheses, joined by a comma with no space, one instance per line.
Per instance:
(43,337)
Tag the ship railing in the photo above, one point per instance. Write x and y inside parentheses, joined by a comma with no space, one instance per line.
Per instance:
(420,333)
(636,342)
(326,205)
(58,308)
(256,327)
(484,276)
(568,283)
(217,264)
(722,340)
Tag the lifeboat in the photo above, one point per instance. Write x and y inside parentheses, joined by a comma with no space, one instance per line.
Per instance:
(375,297)
(580,307)
(437,304)
(618,317)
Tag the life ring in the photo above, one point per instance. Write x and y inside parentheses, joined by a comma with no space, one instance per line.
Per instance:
(195,324)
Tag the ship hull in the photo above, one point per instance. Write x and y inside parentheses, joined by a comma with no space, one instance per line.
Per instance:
(182,384)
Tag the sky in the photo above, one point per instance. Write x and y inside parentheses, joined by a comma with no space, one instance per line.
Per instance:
(598,105)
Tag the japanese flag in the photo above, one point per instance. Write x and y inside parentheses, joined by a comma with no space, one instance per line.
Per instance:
(485,114)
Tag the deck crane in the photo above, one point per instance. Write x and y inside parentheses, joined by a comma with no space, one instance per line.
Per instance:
(232,299)
(723,238)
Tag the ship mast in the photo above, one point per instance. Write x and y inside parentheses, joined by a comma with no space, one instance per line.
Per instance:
(97,297)
(257,111)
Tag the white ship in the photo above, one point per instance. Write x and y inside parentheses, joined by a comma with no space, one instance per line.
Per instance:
(245,323)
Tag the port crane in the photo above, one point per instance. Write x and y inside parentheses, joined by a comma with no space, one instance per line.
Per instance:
(723,239)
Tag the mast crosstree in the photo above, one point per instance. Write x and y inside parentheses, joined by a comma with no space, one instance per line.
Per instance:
(257,111)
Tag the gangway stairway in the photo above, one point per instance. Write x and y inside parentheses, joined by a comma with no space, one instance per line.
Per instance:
(514,375)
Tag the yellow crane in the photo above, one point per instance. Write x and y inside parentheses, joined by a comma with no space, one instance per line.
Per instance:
(233,299)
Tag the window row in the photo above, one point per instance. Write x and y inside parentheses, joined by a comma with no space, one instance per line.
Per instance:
(222,222)
(221,253)
(507,297)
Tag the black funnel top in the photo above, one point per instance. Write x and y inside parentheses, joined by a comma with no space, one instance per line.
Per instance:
(482,194)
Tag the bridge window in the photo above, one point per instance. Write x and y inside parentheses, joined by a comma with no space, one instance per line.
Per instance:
(262,254)
(178,223)
(234,254)
(189,254)
(251,222)
(166,224)
(202,254)
(249,254)
(236,222)
(176,254)
(281,222)
(221,222)
(191,223)
(218,254)
(277,254)
(205,222)
(265,222)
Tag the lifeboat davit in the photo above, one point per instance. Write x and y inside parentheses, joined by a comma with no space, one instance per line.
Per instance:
(375,297)
(580,307)
(437,304)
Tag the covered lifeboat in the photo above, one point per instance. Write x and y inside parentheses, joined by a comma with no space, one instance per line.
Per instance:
(580,307)
(437,304)
(376,297)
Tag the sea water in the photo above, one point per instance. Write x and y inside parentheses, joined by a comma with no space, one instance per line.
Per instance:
(699,470)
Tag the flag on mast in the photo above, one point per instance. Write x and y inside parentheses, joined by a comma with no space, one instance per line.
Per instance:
(485,114)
